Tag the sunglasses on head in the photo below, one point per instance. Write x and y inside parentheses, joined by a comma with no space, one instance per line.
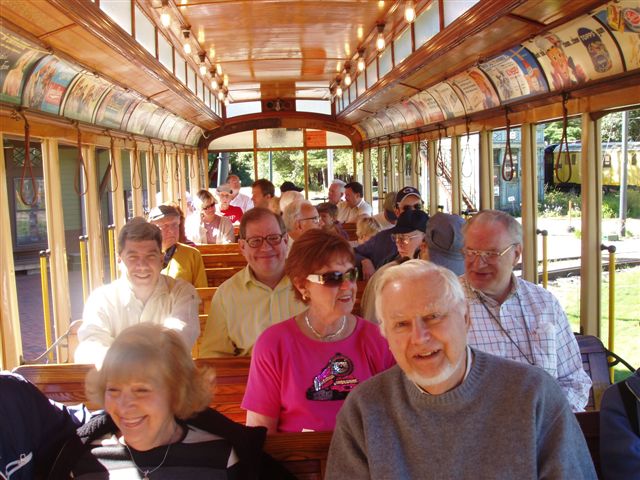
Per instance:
(334,279)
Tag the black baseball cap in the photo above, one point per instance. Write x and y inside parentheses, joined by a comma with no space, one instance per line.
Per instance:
(411,220)
(405,192)
(289,186)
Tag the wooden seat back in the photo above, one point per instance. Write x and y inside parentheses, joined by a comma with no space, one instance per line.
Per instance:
(206,295)
(218,248)
(303,454)
(590,426)
(64,382)
(216,260)
(350,228)
(217,276)
(594,362)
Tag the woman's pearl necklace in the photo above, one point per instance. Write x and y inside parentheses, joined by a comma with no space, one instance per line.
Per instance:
(325,338)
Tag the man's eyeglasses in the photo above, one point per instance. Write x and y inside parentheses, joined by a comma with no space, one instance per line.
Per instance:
(315,219)
(274,240)
(403,239)
(334,279)
(417,206)
(487,256)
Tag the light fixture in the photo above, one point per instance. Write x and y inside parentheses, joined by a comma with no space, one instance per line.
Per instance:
(221,95)
(186,45)
(410,11)
(212,52)
(361,63)
(165,16)
(338,91)
(203,68)
(380,42)
(347,75)
(225,80)
(219,68)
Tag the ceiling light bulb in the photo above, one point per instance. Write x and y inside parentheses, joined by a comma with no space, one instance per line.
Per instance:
(203,69)
(212,52)
(186,45)
(347,79)
(338,91)
(221,95)
(409,11)
(214,84)
(187,48)
(361,64)
(219,69)
(225,80)
(380,42)
(165,17)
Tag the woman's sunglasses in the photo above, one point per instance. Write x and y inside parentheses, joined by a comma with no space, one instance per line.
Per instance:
(334,279)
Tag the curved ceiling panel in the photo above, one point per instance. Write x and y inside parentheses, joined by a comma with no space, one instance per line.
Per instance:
(576,53)
(82,97)
(114,108)
(515,74)
(19,56)
(33,78)
(591,47)
(48,84)
(475,91)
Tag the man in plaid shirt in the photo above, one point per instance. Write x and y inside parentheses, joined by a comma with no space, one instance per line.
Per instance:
(511,317)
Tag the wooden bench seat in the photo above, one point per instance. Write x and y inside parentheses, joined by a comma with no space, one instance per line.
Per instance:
(65,383)
(304,454)
(217,276)
(218,248)
(214,260)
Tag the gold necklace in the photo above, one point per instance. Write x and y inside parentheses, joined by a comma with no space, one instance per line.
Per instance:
(146,473)
(324,338)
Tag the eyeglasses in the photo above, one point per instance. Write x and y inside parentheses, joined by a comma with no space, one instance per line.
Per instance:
(274,240)
(334,279)
(403,239)
(487,256)
(315,219)
(417,206)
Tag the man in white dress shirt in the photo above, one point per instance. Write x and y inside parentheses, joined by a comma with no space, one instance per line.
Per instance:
(354,205)
(141,294)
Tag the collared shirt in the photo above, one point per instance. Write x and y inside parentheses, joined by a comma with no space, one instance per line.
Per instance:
(536,322)
(186,263)
(218,231)
(347,214)
(241,309)
(243,201)
(112,308)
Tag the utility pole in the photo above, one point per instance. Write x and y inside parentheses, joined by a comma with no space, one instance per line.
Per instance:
(623,175)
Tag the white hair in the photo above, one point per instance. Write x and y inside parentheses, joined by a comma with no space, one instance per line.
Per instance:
(510,224)
(451,292)
(291,213)
(288,197)
(337,181)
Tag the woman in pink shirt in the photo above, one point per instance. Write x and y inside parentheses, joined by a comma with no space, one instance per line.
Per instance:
(303,368)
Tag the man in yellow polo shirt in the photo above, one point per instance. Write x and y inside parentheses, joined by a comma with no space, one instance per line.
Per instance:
(180,260)
(257,296)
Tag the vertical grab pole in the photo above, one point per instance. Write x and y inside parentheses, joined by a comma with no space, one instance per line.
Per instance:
(83,266)
(112,249)
(612,299)
(46,308)
(545,258)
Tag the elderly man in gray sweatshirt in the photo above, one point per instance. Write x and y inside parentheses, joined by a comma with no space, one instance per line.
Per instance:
(447,410)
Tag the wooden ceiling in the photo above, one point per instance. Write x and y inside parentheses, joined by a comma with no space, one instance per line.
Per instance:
(283,48)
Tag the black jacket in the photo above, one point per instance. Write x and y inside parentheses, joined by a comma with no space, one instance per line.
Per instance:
(247,442)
